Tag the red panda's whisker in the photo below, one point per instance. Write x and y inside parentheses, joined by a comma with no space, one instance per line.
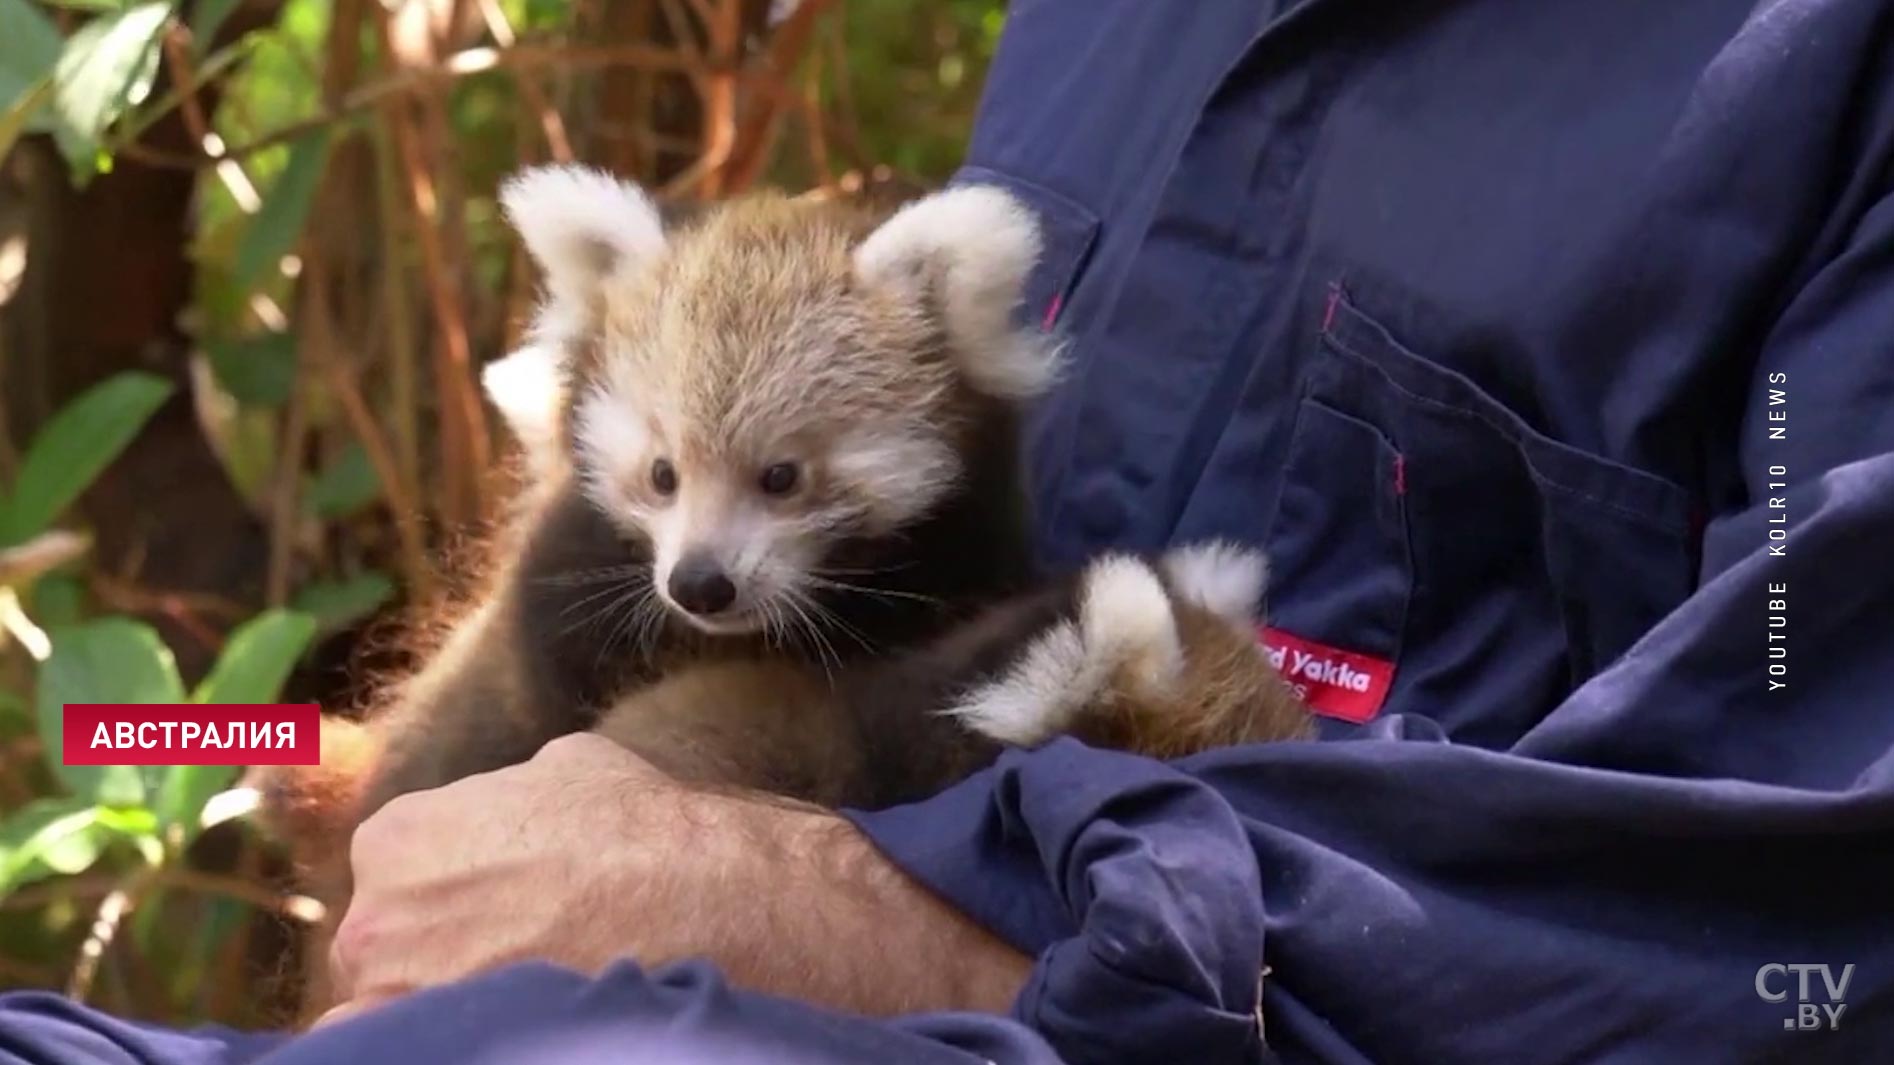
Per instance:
(629,571)
(875,593)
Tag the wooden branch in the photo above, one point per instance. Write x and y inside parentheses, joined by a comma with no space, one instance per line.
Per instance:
(403,384)
(285,488)
(788,45)
(720,96)
(464,446)
(340,375)
(551,126)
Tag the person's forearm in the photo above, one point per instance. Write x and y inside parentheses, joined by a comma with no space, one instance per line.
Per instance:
(586,855)
(904,949)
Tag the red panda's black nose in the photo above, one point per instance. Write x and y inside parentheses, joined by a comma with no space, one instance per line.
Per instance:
(700,586)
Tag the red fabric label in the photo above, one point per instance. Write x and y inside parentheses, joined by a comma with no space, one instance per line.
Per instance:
(192,734)
(1333,682)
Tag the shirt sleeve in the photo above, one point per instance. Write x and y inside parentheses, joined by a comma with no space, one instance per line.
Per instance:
(1690,859)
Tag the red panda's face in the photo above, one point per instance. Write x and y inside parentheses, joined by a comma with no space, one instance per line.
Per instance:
(779,380)
(750,407)
(742,523)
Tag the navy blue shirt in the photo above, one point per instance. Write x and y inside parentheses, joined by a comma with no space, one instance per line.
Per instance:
(1548,349)
(1547,346)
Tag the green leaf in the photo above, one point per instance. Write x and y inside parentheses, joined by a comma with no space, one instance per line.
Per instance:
(49,837)
(346,486)
(206,17)
(28,50)
(59,599)
(184,791)
(273,232)
(242,436)
(213,67)
(29,47)
(112,660)
(255,662)
(75,447)
(258,370)
(132,822)
(339,604)
(107,67)
(257,658)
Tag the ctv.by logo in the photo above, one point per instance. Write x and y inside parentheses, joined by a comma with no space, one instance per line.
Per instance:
(1773,984)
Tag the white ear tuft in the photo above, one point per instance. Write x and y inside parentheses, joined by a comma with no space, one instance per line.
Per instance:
(526,388)
(971,248)
(580,225)
(1126,618)
(1222,577)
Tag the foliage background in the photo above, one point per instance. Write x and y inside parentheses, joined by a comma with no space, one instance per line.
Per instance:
(250,266)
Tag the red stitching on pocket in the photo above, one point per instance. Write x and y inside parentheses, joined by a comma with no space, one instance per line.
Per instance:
(1052,311)
(1400,475)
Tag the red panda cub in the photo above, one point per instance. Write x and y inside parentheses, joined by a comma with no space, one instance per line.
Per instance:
(777,536)
(774,535)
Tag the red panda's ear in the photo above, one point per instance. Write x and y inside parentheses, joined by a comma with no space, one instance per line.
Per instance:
(968,250)
(581,225)
(527,388)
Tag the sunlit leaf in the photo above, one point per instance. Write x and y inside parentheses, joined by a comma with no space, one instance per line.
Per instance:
(255,662)
(107,67)
(130,821)
(111,660)
(273,232)
(347,485)
(75,447)
(339,604)
(258,658)
(49,837)
(213,67)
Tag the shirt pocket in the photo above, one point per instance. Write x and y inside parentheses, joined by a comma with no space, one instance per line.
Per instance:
(1422,522)
(1067,231)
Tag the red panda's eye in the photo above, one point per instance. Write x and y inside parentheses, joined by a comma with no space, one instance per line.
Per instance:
(780,479)
(663,477)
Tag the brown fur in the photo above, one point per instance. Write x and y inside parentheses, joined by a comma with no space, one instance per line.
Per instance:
(752,337)
(1228,695)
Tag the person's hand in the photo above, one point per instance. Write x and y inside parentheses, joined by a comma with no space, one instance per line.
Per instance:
(587,854)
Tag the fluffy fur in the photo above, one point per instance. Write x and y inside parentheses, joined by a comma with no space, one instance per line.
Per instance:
(884,634)
(1158,656)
